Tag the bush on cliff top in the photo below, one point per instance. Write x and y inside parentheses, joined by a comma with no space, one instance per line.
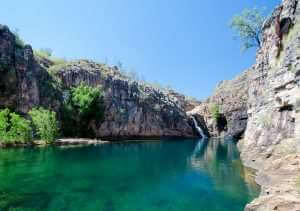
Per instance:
(19,41)
(14,128)
(45,124)
(47,53)
(84,105)
(43,53)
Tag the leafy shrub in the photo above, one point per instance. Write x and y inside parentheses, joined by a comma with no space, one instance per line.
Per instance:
(83,105)
(215,111)
(58,65)
(47,53)
(14,128)
(20,129)
(59,61)
(19,41)
(84,99)
(43,53)
(45,124)
(4,124)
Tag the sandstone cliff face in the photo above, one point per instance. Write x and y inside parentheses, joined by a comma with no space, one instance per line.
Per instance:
(274,87)
(132,109)
(18,81)
(231,97)
(264,103)
(271,141)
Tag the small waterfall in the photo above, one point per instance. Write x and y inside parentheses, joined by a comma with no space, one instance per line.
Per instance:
(200,131)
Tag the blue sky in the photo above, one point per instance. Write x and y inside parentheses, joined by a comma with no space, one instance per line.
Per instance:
(186,44)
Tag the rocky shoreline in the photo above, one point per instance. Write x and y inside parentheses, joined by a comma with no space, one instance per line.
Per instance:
(279,189)
(58,142)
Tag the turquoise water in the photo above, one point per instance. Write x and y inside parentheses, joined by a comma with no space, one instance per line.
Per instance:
(158,176)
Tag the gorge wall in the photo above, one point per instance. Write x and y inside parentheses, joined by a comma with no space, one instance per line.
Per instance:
(261,106)
(272,142)
(132,109)
(231,98)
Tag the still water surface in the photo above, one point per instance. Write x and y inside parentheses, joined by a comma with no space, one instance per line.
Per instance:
(169,175)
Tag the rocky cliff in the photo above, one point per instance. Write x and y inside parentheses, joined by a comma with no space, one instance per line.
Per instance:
(132,109)
(18,70)
(231,98)
(271,142)
(263,104)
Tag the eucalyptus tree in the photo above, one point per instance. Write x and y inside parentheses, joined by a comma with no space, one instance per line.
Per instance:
(248,27)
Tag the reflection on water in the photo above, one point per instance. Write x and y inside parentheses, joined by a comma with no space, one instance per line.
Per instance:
(167,175)
(220,159)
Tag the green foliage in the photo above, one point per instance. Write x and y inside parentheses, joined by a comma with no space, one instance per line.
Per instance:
(20,129)
(84,98)
(59,61)
(248,26)
(45,124)
(47,53)
(59,64)
(19,41)
(85,104)
(215,111)
(43,53)
(14,128)
(4,123)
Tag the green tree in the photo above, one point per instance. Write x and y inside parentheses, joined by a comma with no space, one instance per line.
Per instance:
(20,130)
(215,111)
(248,26)
(85,100)
(4,125)
(14,128)
(45,124)
(85,104)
